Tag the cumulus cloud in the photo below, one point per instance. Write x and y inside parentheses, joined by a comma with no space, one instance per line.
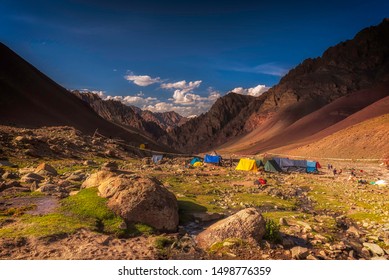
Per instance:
(183,91)
(142,80)
(254,91)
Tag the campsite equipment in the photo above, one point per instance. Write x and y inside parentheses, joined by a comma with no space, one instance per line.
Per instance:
(247,164)
(311,166)
(156,158)
(272,166)
(197,164)
(194,160)
(212,159)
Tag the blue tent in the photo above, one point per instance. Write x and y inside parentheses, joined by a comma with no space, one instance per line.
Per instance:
(311,166)
(156,158)
(194,160)
(212,159)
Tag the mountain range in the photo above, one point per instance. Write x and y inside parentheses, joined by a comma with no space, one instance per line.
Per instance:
(319,101)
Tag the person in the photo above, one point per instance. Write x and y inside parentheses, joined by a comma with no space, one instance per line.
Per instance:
(328,166)
(334,171)
(352,173)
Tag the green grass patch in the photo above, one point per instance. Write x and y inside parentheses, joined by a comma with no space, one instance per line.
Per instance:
(84,210)
(260,200)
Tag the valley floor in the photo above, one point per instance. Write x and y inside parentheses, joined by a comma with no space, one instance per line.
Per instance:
(321,216)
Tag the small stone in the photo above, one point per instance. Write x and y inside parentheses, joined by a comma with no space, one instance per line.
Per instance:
(299,252)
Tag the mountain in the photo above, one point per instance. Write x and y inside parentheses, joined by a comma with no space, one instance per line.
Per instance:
(338,115)
(145,122)
(208,130)
(30,99)
(351,66)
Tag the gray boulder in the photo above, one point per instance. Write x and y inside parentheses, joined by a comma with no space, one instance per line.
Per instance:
(248,224)
(142,200)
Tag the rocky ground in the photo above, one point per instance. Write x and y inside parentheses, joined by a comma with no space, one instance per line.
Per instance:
(66,203)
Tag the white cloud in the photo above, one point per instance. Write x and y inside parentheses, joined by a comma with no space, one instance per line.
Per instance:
(254,91)
(183,93)
(142,80)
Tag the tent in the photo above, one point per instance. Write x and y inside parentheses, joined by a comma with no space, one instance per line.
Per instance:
(212,159)
(311,166)
(194,160)
(197,164)
(247,164)
(259,162)
(156,158)
(142,146)
(272,166)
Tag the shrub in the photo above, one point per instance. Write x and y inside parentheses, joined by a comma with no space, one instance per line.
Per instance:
(272,232)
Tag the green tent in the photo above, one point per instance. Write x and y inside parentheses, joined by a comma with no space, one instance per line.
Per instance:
(272,166)
(259,162)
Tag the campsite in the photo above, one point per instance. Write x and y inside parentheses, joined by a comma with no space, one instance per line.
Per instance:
(309,212)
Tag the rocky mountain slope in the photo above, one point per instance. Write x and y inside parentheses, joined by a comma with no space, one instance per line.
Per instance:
(28,98)
(360,63)
(202,132)
(145,122)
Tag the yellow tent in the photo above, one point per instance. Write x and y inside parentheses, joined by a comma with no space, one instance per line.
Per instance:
(247,164)
(198,163)
(142,146)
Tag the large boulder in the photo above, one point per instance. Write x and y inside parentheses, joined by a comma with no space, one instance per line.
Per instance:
(96,179)
(141,200)
(248,224)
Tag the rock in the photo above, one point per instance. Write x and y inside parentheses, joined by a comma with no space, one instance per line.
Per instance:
(46,169)
(248,224)
(110,166)
(374,248)
(9,175)
(96,179)
(31,177)
(299,253)
(142,200)
(355,231)
(34,186)
(76,177)
(89,163)
(52,189)
(207,217)
(110,153)
(283,222)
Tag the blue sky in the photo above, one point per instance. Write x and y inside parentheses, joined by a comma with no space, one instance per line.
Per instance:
(177,55)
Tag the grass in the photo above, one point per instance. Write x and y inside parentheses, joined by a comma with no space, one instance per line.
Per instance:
(84,210)
(263,200)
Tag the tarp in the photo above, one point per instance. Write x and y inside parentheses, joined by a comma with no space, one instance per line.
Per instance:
(212,159)
(197,164)
(311,166)
(194,160)
(272,166)
(381,183)
(156,158)
(247,164)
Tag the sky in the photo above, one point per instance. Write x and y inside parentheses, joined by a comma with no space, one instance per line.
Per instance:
(177,55)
